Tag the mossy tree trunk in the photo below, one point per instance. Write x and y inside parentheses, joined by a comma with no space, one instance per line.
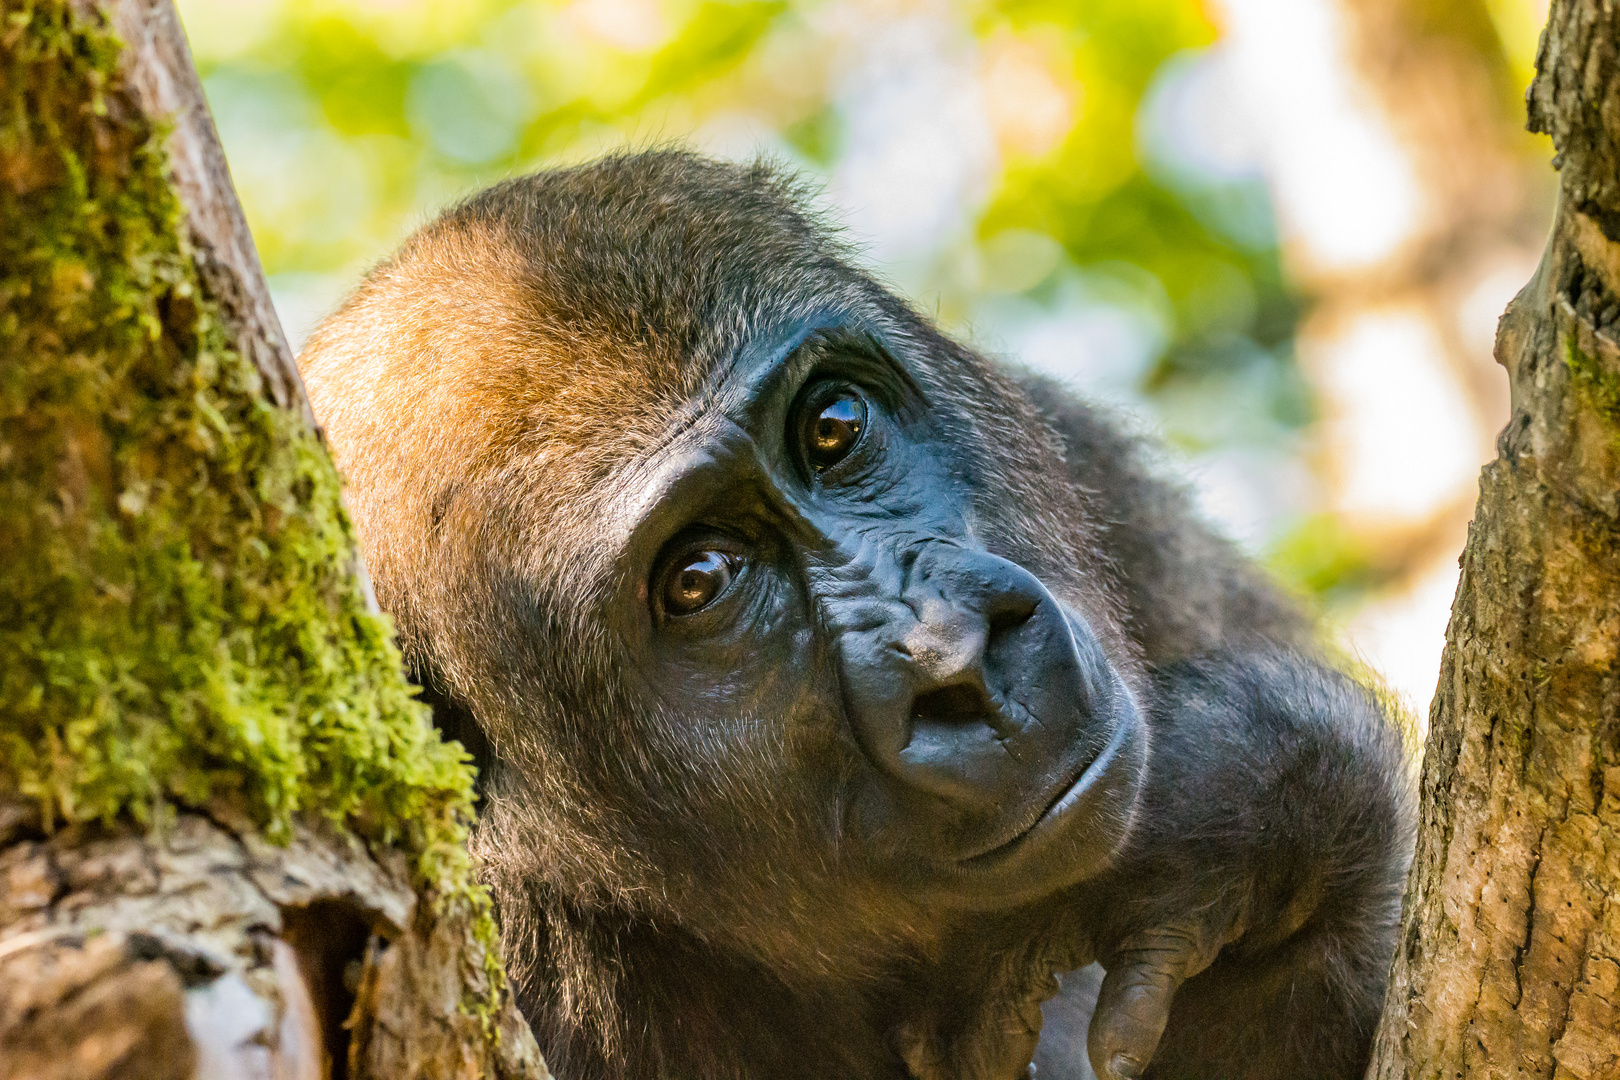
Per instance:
(1509,964)
(231,842)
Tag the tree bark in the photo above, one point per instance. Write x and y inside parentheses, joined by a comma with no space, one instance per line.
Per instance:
(1509,962)
(231,844)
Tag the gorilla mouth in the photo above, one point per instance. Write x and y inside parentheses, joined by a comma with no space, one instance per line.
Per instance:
(1095,781)
(1063,793)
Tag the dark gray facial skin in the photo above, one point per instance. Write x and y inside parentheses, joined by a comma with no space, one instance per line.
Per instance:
(836,687)
(1000,753)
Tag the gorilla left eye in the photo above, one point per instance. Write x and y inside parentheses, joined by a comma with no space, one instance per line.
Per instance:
(831,425)
(694,581)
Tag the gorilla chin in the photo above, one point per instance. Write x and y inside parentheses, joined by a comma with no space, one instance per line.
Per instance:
(834,686)
(1076,834)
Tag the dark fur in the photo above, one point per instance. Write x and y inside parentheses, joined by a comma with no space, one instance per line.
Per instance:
(491,392)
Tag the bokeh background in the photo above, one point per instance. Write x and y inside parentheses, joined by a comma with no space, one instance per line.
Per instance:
(1276,232)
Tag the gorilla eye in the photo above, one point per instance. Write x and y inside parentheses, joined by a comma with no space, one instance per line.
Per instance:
(831,426)
(694,581)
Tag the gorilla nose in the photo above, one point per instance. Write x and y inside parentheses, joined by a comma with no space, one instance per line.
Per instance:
(951,657)
(967,691)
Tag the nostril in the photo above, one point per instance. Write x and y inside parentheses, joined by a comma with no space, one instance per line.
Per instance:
(1013,611)
(951,704)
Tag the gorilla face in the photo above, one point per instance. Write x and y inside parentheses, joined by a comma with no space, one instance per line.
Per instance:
(809,562)
(781,616)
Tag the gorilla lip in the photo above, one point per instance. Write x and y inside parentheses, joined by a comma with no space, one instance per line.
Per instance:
(1091,781)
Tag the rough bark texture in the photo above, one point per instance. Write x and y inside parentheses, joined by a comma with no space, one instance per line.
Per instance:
(1510,958)
(210,952)
(161,79)
(231,844)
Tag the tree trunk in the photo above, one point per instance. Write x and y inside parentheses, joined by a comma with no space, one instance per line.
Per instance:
(1509,962)
(231,843)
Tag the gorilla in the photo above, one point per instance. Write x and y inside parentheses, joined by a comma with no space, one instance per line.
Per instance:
(848,702)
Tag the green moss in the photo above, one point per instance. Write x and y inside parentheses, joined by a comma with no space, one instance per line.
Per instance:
(1597,384)
(180,624)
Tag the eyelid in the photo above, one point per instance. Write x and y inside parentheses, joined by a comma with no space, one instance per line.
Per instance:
(855,351)
(879,381)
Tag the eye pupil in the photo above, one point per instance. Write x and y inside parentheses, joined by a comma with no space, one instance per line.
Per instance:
(694,584)
(833,429)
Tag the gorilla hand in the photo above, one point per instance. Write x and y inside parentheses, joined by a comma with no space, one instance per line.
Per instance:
(1144,973)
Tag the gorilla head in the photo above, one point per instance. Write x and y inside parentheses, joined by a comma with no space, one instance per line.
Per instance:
(814,673)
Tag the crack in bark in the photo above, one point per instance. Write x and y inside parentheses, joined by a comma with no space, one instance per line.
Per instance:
(1529,916)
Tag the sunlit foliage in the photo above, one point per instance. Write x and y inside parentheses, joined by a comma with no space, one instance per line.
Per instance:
(346,120)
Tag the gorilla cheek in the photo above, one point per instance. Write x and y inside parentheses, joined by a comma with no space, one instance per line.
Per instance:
(748,718)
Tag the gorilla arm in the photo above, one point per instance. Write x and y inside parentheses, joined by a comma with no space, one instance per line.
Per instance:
(1276,820)
(1246,924)
(1245,928)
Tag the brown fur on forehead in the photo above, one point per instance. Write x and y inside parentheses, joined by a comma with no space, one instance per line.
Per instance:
(446,393)
(533,339)
(571,304)
(667,253)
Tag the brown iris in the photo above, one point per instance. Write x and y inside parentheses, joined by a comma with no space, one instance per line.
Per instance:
(832,425)
(693,582)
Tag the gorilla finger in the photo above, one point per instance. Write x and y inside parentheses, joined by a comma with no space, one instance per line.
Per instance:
(1133,1004)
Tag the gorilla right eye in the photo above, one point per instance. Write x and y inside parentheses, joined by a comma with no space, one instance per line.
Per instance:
(695,581)
(831,424)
